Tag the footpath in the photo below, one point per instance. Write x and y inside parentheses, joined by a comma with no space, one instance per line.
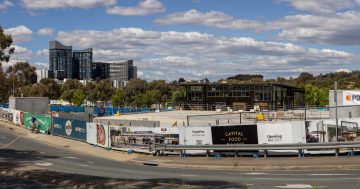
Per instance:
(174,161)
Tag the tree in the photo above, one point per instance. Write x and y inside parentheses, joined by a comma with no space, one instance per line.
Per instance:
(68,89)
(5,49)
(162,90)
(90,92)
(140,100)
(104,90)
(50,88)
(118,98)
(133,88)
(78,97)
(22,73)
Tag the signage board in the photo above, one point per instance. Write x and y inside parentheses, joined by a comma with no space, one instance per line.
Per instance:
(70,128)
(238,134)
(351,98)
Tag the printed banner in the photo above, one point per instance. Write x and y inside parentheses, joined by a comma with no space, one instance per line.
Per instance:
(351,98)
(42,122)
(195,136)
(98,134)
(70,128)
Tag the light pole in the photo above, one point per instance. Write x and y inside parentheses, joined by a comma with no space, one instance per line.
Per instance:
(336,110)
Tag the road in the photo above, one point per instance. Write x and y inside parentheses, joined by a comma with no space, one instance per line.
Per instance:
(18,150)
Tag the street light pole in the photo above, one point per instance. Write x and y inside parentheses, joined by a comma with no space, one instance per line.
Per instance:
(336,111)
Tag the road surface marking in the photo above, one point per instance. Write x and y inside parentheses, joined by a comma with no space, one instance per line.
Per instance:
(10,142)
(330,174)
(84,165)
(71,157)
(44,164)
(298,186)
(255,173)
(90,162)
(188,175)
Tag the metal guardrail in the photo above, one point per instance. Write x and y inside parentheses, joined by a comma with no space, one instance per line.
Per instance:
(257,147)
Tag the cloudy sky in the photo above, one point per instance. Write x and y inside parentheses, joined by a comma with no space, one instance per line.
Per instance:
(194,39)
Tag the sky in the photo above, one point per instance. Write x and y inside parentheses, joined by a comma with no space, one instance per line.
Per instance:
(193,39)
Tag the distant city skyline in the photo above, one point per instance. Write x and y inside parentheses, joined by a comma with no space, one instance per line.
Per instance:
(193,39)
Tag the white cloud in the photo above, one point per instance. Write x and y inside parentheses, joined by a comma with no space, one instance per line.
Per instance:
(343,70)
(45,31)
(21,54)
(19,33)
(43,53)
(213,19)
(54,4)
(341,28)
(195,55)
(323,6)
(145,7)
(5,5)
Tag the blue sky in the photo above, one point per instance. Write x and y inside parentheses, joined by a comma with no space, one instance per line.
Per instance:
(194,39)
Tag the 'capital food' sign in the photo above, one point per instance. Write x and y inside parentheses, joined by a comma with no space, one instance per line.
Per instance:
(240,134)
(351,98)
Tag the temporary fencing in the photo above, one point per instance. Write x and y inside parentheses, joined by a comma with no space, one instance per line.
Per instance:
(71,128)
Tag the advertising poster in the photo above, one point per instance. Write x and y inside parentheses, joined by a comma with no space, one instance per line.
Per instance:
(70,128)
(281,132)
(98,134)
(134,137)
(42,122)
(239,134)
(351,98)
(195,136)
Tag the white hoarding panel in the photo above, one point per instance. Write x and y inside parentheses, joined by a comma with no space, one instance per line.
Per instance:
(281,132)
(351,98)
(16,117)
(166,130)
(98,134)
(195,136)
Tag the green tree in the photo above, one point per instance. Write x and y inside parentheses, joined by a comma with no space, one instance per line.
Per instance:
(133,88)
(140,100)
(22,73)
(68,89)
(78,97)
(104,90)
(90,92)
(118,98)
(50,88)
(5,47)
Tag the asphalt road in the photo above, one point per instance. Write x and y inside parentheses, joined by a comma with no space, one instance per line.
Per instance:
(62,163)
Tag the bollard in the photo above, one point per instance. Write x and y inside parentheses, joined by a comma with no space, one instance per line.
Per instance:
(300,153)
(265,153)
(336,152)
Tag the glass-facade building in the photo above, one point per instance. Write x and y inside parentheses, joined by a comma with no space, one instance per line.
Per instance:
(60,60)
(244,96)
(82,64)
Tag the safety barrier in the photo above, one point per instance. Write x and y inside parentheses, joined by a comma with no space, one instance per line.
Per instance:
(158,149)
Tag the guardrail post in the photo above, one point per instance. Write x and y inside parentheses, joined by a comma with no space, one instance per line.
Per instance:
(265,153)
(337,152)
(236,153)
(207,153)
(181,153)
(300,153)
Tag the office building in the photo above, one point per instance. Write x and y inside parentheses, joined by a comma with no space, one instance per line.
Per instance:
(122,72)
(42,74)
(82,64)
(60,60)
(243,96)
(101,70)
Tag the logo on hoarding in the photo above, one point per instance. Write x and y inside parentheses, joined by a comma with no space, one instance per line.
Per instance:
(100,134)
(57,126)
(351,98)
(68,127)
(274,138)
(79,129)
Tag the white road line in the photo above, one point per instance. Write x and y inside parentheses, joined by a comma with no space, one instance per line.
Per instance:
(46,164)
(299,186)
(90,162)
(84,165)
(255,173)
(330,174)
(188,175)
(71,157)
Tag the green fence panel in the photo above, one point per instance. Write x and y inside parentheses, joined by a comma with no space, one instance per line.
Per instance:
(42,121)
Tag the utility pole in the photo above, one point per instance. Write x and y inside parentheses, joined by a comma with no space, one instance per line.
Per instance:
(336,111)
